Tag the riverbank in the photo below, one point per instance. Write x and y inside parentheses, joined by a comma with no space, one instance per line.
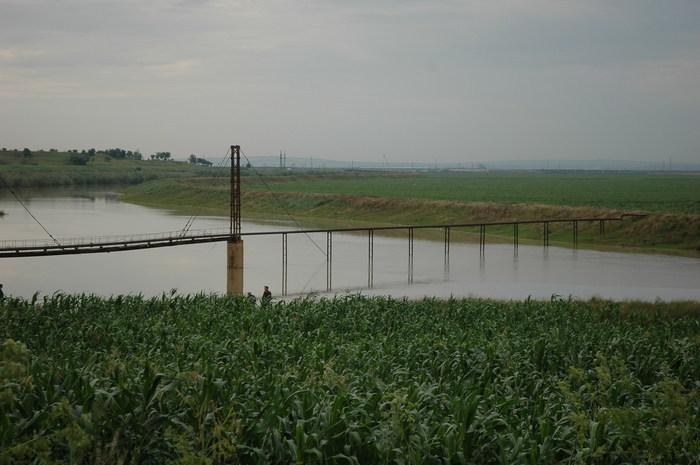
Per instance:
(657,230)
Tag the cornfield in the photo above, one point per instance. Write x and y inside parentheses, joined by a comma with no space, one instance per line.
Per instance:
(205,379)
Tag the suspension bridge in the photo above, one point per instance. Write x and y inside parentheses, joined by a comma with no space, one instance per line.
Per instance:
(234,238)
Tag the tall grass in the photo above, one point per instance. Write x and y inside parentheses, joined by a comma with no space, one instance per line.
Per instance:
(208,379)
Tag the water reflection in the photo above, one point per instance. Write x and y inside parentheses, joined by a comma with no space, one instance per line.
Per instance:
(361,262)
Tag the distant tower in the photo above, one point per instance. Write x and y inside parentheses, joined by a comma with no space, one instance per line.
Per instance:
(280,159)
(285,158)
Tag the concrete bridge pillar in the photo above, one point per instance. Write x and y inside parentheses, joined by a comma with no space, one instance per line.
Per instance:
(234,267)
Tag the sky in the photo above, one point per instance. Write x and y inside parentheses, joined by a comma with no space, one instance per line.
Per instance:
(442,81)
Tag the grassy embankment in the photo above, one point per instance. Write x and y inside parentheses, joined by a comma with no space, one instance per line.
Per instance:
(350,380)
(44,169)
(670,201)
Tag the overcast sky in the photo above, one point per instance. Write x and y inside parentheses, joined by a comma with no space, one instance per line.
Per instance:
(409,80)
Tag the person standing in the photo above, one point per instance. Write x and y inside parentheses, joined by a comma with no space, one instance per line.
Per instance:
(266,296)
(2,294)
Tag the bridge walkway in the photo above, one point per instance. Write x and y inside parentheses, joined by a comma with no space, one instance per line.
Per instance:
(107,244)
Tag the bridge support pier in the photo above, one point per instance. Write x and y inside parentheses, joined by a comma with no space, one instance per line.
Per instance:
(234,267)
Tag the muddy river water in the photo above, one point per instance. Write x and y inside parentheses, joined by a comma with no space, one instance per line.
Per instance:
(499,271)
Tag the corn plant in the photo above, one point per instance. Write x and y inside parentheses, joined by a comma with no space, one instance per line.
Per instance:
(205,379)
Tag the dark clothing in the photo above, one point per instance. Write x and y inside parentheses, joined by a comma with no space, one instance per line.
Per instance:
(266,297)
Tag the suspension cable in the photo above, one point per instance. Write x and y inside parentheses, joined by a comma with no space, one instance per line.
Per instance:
(30,213)
(194,216)
(279,202)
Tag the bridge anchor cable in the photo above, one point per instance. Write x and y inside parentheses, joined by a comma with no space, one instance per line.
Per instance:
(279,202)
(30,213)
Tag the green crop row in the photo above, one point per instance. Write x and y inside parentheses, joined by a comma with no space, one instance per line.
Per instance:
(204,379)
(678,193)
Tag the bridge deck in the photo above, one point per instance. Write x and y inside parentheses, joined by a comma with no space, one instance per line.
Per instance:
(105,244)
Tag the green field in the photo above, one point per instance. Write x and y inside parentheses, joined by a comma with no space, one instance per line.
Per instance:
(671,202)
(673,193)
(351,380)
(46,168)
(344,198)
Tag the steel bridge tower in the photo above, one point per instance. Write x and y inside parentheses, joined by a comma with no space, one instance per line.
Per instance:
(234,245)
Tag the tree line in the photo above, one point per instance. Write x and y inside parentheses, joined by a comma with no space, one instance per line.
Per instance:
(83,157)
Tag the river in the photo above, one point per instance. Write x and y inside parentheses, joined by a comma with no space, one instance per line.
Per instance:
(499,272)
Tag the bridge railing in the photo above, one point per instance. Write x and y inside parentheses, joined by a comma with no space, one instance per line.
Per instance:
(114,239)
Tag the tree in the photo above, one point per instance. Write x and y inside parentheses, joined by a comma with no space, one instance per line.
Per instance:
(195,160)
(117,153)
(78,158)
(27,153)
